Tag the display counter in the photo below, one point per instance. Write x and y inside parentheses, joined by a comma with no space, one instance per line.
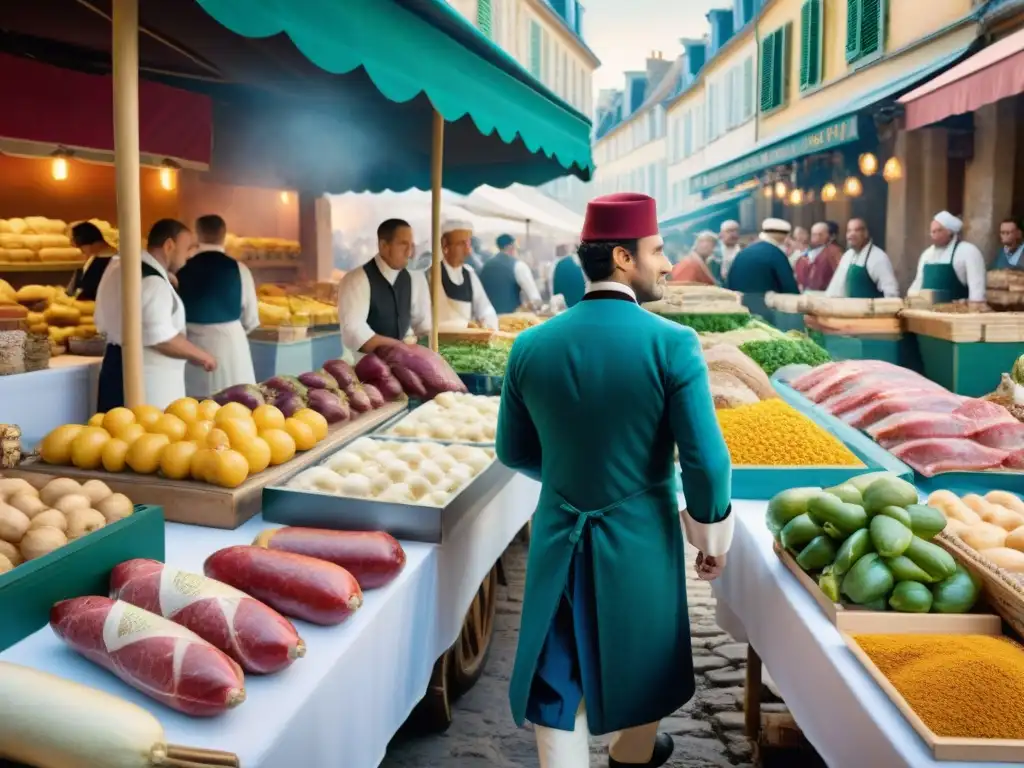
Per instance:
(344,701)
(64,393)
(290,358)
(865,339)
(843,713)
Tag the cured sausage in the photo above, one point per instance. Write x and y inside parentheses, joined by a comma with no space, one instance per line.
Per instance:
(375,558)
(153,655)
(251,633)
(302,587)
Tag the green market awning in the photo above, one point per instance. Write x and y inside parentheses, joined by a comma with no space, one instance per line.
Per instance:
(460,72)
(710,215)
(832,131)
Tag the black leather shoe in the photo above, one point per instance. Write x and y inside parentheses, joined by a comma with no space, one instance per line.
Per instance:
(663,746)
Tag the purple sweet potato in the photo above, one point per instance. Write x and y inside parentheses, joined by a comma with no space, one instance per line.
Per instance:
(358,399)
(281,384)
(411,383)
(318,380)
(432,371)
(372,368)
(248,395)
(289,403)
(333,406)
(389,387)
(341,372)
(374,394)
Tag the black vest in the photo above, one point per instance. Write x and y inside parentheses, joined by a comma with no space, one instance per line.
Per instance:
(87,279)
(390,305)
(210,286)
(455,292)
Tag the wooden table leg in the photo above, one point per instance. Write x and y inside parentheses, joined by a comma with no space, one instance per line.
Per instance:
(752,695)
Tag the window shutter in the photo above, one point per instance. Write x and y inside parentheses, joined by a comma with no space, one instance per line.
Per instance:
(810,44)
(853,16)
(748,88)
(535,49)
(872,26)
(780,86)
(767,99)
(483,16)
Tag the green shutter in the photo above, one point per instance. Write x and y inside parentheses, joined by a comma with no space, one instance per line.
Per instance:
(782,64)
(872,26)
(483,16)
(853,16)
(767,95)
(535,55)
(810,44)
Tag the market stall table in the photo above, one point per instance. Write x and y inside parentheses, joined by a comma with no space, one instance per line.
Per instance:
(64,393)
(342,703)
(290,358)
(843,713)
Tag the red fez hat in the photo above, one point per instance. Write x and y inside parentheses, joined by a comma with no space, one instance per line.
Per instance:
(622,216)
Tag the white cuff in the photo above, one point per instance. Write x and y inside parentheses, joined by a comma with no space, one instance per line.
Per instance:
(710,538)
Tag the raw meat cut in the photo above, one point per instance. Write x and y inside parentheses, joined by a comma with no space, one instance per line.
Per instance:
(296,585)
(1015,460)
(838,380)
(375,558)
(930,400)
(931,456)
(153,655)
(915,425)
(253,634)
(983,410)
(865,392)
(813,377)
(1004,435)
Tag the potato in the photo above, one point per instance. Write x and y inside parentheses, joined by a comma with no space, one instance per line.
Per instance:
(1006,558)
(13,523)
(72,501)
(115,507)
(51,518)
(57,488)
(96,490)
(84,521)
(11,552)
(27,503)
(5,565)
(983,536)
(42,541)
(12,485)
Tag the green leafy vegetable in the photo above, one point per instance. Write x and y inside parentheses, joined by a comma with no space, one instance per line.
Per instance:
(487,359)
(711,323)
(792,350)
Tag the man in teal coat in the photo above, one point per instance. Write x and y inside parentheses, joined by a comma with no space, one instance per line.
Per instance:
(593,404)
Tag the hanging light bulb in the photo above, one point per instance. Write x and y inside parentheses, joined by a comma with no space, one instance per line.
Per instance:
(853,187)
(868,164)
(766,191)
(893,169)
(796,197)
(829,192)
(285,197)
(59,168)
(780,190)
(168,177)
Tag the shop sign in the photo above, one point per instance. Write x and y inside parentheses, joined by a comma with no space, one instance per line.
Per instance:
(824,137)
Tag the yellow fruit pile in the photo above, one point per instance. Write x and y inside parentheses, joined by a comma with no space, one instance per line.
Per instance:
(51,312)
(276,309)
(190,440)
(36,238)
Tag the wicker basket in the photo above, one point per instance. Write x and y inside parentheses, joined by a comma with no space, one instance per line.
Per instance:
(1003,590)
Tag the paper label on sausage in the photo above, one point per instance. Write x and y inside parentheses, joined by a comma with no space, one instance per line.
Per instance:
(179,589)
(126,624)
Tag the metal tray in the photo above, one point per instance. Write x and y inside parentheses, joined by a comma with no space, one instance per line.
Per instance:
(381,433)
(408,521)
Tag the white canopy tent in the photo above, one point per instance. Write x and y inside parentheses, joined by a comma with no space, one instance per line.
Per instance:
(541,212)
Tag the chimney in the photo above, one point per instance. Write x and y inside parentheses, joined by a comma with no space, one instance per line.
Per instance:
(721,20)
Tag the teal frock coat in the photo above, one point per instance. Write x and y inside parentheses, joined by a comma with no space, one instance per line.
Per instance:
(593,403)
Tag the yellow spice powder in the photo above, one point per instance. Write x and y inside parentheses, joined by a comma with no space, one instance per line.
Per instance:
(961,686)
(773,433)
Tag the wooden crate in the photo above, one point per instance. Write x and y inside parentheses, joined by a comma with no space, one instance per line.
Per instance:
(853,618)
(855,326)
(941,747)
(1003,590)
(853,308)
(966,327)
(793,303)
(187,501)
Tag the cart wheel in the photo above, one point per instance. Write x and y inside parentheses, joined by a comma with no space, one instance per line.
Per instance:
(434,712)
(469,654)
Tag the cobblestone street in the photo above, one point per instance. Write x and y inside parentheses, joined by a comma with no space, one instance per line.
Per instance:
(708,731)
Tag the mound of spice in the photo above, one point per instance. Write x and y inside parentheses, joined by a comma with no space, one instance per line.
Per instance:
(772,433)
(961,686)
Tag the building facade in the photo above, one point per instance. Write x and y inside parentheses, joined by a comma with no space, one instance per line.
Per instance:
(547,38)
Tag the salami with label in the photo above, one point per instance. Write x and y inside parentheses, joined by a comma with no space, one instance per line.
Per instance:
(298,586)
(251,633)
(375,558)
(153,655)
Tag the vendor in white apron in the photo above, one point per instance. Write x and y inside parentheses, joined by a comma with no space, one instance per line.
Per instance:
(951,266)
(166,349)
(465,300)
(383,302)
(220,301)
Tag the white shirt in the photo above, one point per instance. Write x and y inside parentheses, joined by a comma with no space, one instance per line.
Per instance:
(728,257)
(879,267)
(354,304)
(525,281)
(814,253)
(611,285)
(250,303)
(161,306)
(455,315)
(968,264)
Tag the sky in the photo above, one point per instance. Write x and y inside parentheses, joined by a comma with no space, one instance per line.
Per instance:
(623,32)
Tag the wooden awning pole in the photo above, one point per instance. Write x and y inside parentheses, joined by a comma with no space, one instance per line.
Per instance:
(436,165)
(125,51)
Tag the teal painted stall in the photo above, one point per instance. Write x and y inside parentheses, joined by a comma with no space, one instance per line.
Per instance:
(788,321)
(290,358)
(899,350)
(968,368)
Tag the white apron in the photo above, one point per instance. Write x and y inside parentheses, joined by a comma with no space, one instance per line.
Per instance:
(164,376)
(229,345)
(453,315)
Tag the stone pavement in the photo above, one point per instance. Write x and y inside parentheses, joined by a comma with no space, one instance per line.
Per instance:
(708,731)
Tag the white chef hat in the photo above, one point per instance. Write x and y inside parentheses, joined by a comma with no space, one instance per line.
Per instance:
(455,225)
(780,226)
(707,233)
(949,221)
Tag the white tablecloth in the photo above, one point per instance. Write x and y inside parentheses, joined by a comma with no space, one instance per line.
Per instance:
(342,703)
(842,712)
(40,401)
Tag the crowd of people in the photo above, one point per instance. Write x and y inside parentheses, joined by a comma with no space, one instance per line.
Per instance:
(787,259)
